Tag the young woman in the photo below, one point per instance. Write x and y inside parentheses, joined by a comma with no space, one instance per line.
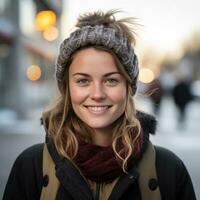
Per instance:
(97,144)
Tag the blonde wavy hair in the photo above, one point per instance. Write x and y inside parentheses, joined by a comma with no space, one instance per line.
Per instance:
(64,126)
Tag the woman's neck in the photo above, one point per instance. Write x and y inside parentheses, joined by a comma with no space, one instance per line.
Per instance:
(102,137)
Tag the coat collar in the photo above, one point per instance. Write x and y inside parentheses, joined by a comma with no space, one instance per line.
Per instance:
(72,180)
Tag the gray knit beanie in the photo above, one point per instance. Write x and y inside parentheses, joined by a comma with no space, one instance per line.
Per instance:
(98,35)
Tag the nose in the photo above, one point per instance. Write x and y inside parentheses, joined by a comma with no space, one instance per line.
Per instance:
(97,92)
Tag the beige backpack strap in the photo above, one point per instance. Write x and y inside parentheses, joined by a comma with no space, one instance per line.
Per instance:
(148,181)
(49,192)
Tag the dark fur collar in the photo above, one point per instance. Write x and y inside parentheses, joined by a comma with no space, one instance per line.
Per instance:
(147,121)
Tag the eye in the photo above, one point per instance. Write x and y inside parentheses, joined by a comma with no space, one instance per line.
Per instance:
(82,82)
(111,82)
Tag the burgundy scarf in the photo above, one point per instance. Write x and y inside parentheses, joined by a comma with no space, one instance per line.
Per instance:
(99,163)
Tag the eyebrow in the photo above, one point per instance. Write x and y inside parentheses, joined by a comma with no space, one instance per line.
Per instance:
(107,74)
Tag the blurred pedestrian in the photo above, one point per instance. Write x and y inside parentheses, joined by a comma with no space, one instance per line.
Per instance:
(155,91)
(97,145)
(182,96)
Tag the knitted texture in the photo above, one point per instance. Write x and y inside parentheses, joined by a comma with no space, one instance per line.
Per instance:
(98,35)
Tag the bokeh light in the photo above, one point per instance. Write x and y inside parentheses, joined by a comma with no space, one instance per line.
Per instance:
(146,75)
(50,34)
(44,20)
(34,72)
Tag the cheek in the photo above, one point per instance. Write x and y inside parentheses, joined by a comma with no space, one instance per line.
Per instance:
(77,95)
(118,95)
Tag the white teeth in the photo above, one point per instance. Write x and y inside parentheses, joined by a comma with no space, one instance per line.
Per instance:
(97,108)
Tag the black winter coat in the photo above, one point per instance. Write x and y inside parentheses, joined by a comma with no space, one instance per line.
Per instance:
(26,179)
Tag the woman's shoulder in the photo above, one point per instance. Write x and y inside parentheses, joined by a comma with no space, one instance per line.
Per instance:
(30,160)
(25,179)
(32,152)
(173,176)
(30,157)
(165,155)
(169,163)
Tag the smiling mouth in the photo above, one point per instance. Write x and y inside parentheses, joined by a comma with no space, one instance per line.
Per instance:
(98,109)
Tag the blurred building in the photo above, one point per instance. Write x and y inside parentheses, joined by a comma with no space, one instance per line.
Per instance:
(29,37)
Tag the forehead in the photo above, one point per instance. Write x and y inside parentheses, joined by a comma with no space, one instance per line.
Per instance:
(92,59)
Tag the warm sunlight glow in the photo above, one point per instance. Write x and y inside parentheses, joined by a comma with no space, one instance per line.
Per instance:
(146,75)
(44,20)
(33,72)
(50,34)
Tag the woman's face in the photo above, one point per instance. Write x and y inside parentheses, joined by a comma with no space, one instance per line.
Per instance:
(97,88)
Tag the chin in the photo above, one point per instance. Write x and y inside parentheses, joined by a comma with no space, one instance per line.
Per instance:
(96,125)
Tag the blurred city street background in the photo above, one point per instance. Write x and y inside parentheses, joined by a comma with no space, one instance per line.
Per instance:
(168,47)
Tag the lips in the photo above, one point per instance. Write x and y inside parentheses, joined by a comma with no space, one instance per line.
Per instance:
(98,109)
